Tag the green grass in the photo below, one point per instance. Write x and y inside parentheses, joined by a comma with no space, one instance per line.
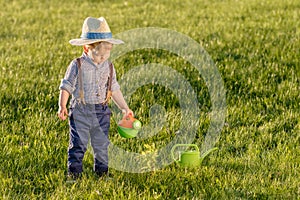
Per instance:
(254,44)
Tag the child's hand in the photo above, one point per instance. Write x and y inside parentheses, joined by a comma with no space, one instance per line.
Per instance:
(62,113)
(127,112)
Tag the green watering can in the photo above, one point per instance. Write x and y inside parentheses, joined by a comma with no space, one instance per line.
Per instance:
(190,158)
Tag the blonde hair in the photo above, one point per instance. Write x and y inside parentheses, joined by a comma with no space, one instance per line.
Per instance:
(88,47)
(92,46)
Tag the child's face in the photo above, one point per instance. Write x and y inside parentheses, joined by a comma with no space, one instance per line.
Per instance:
(101,52)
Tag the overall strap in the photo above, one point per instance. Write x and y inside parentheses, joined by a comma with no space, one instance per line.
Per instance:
(81,91)
(109,92)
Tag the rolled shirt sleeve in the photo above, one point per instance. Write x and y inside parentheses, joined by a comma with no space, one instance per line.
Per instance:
(69,82)
(114,85)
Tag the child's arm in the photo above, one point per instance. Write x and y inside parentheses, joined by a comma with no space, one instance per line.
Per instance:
(119,100)
(63,99)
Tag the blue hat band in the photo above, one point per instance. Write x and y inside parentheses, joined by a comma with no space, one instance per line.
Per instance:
(96,35)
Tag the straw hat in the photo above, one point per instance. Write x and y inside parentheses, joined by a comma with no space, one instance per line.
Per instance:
(95,30)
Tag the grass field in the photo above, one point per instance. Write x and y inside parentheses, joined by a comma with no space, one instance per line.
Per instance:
(255,46)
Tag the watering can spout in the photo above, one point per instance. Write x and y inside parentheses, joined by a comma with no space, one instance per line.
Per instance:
(204,155)
(208,152)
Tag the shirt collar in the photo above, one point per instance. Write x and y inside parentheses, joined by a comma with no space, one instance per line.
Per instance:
(87,58)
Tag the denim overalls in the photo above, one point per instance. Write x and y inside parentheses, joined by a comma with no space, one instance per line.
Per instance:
(88,121)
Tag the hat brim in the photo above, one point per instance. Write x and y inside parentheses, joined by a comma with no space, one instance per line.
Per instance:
(81,42)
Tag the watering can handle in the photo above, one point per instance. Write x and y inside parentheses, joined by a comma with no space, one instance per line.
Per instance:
(127,117)
(182,145)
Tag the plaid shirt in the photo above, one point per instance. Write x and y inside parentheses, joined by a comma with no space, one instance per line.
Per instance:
(94,78)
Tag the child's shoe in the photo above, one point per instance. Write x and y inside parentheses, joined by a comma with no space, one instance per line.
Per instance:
(72,177)
(105,176)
